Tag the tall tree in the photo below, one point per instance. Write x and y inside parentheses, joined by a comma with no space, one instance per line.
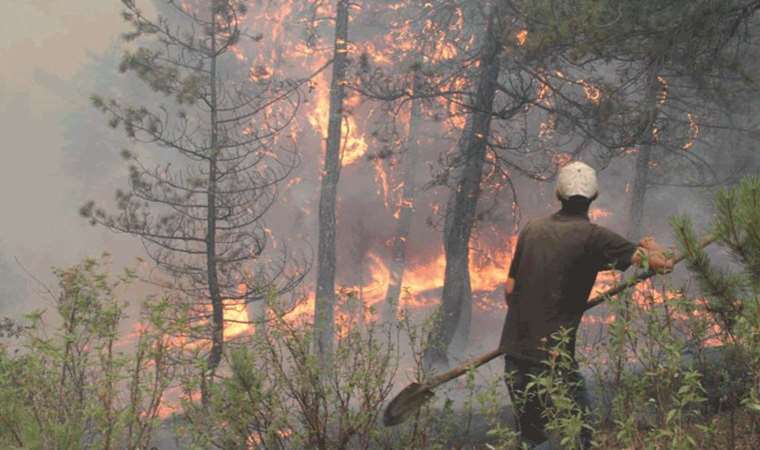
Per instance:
(197,200)
(453,40)
(461,207)
(644,158)
(324,314)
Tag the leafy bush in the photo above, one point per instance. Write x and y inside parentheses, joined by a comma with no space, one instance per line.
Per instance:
(75,388)
(277,394)
(692,356)
(676,368)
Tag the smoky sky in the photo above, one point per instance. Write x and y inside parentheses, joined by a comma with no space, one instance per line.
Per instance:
(44,44)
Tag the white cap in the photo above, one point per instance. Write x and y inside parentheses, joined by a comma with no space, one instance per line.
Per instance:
(577,178)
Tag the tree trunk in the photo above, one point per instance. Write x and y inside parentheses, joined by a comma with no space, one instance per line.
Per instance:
(324,306)
(406,211)
(356,307)
(641,176)
(217,313)
(462,331)
(462,326)
(461,208)
(639,192)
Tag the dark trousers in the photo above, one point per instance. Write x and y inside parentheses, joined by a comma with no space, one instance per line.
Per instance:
(529,405)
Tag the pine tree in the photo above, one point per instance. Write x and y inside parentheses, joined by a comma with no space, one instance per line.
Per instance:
(736,227)
(210,153)
(731,294)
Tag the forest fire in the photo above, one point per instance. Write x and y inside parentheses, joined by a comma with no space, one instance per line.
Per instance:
(237,320)
(423,281)
(328,197)
(421,285)
(355,145)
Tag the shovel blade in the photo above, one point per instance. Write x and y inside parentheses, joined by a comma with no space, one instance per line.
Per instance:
(405,403)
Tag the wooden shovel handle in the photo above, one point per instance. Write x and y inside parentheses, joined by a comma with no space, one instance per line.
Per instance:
(463,368)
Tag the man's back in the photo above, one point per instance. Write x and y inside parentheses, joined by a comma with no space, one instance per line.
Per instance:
(554,269)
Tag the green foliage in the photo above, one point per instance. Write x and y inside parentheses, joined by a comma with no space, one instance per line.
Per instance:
(736,229)
(277,393)
(656,395)
(695,359)
(67,390)
(738,226)
(560,392)
(722,289)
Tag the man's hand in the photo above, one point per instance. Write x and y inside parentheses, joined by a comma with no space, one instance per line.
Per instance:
(659,259)
(649,243)
(660,262)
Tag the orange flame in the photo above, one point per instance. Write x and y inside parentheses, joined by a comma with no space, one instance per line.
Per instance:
(354,145)
(522,37)
(598,213)
(662,96)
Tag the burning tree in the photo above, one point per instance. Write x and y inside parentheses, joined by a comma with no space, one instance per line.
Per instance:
(455,64)
(408,185)
(462,204)
(219,150)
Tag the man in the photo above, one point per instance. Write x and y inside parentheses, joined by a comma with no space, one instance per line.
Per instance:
(551,276)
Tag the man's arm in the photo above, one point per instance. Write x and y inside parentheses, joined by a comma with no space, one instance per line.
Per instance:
(615,251)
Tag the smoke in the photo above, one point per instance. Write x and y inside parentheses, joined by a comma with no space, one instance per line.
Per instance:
(60,154)
(49,48)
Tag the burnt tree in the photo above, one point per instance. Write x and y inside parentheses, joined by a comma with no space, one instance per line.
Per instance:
(324,313)
(462,203)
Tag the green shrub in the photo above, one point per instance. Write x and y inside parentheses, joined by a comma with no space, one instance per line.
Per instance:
(75,388)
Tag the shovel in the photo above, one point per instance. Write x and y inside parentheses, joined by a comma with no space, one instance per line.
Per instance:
(412,397)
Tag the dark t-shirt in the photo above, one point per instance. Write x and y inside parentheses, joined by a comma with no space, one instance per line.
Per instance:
(554,267)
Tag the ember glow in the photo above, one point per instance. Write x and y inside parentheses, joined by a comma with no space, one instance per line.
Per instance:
(522,37)
(693,132)
(598,213)
(662,95)
(561,159)
(593,93)
(236,320)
